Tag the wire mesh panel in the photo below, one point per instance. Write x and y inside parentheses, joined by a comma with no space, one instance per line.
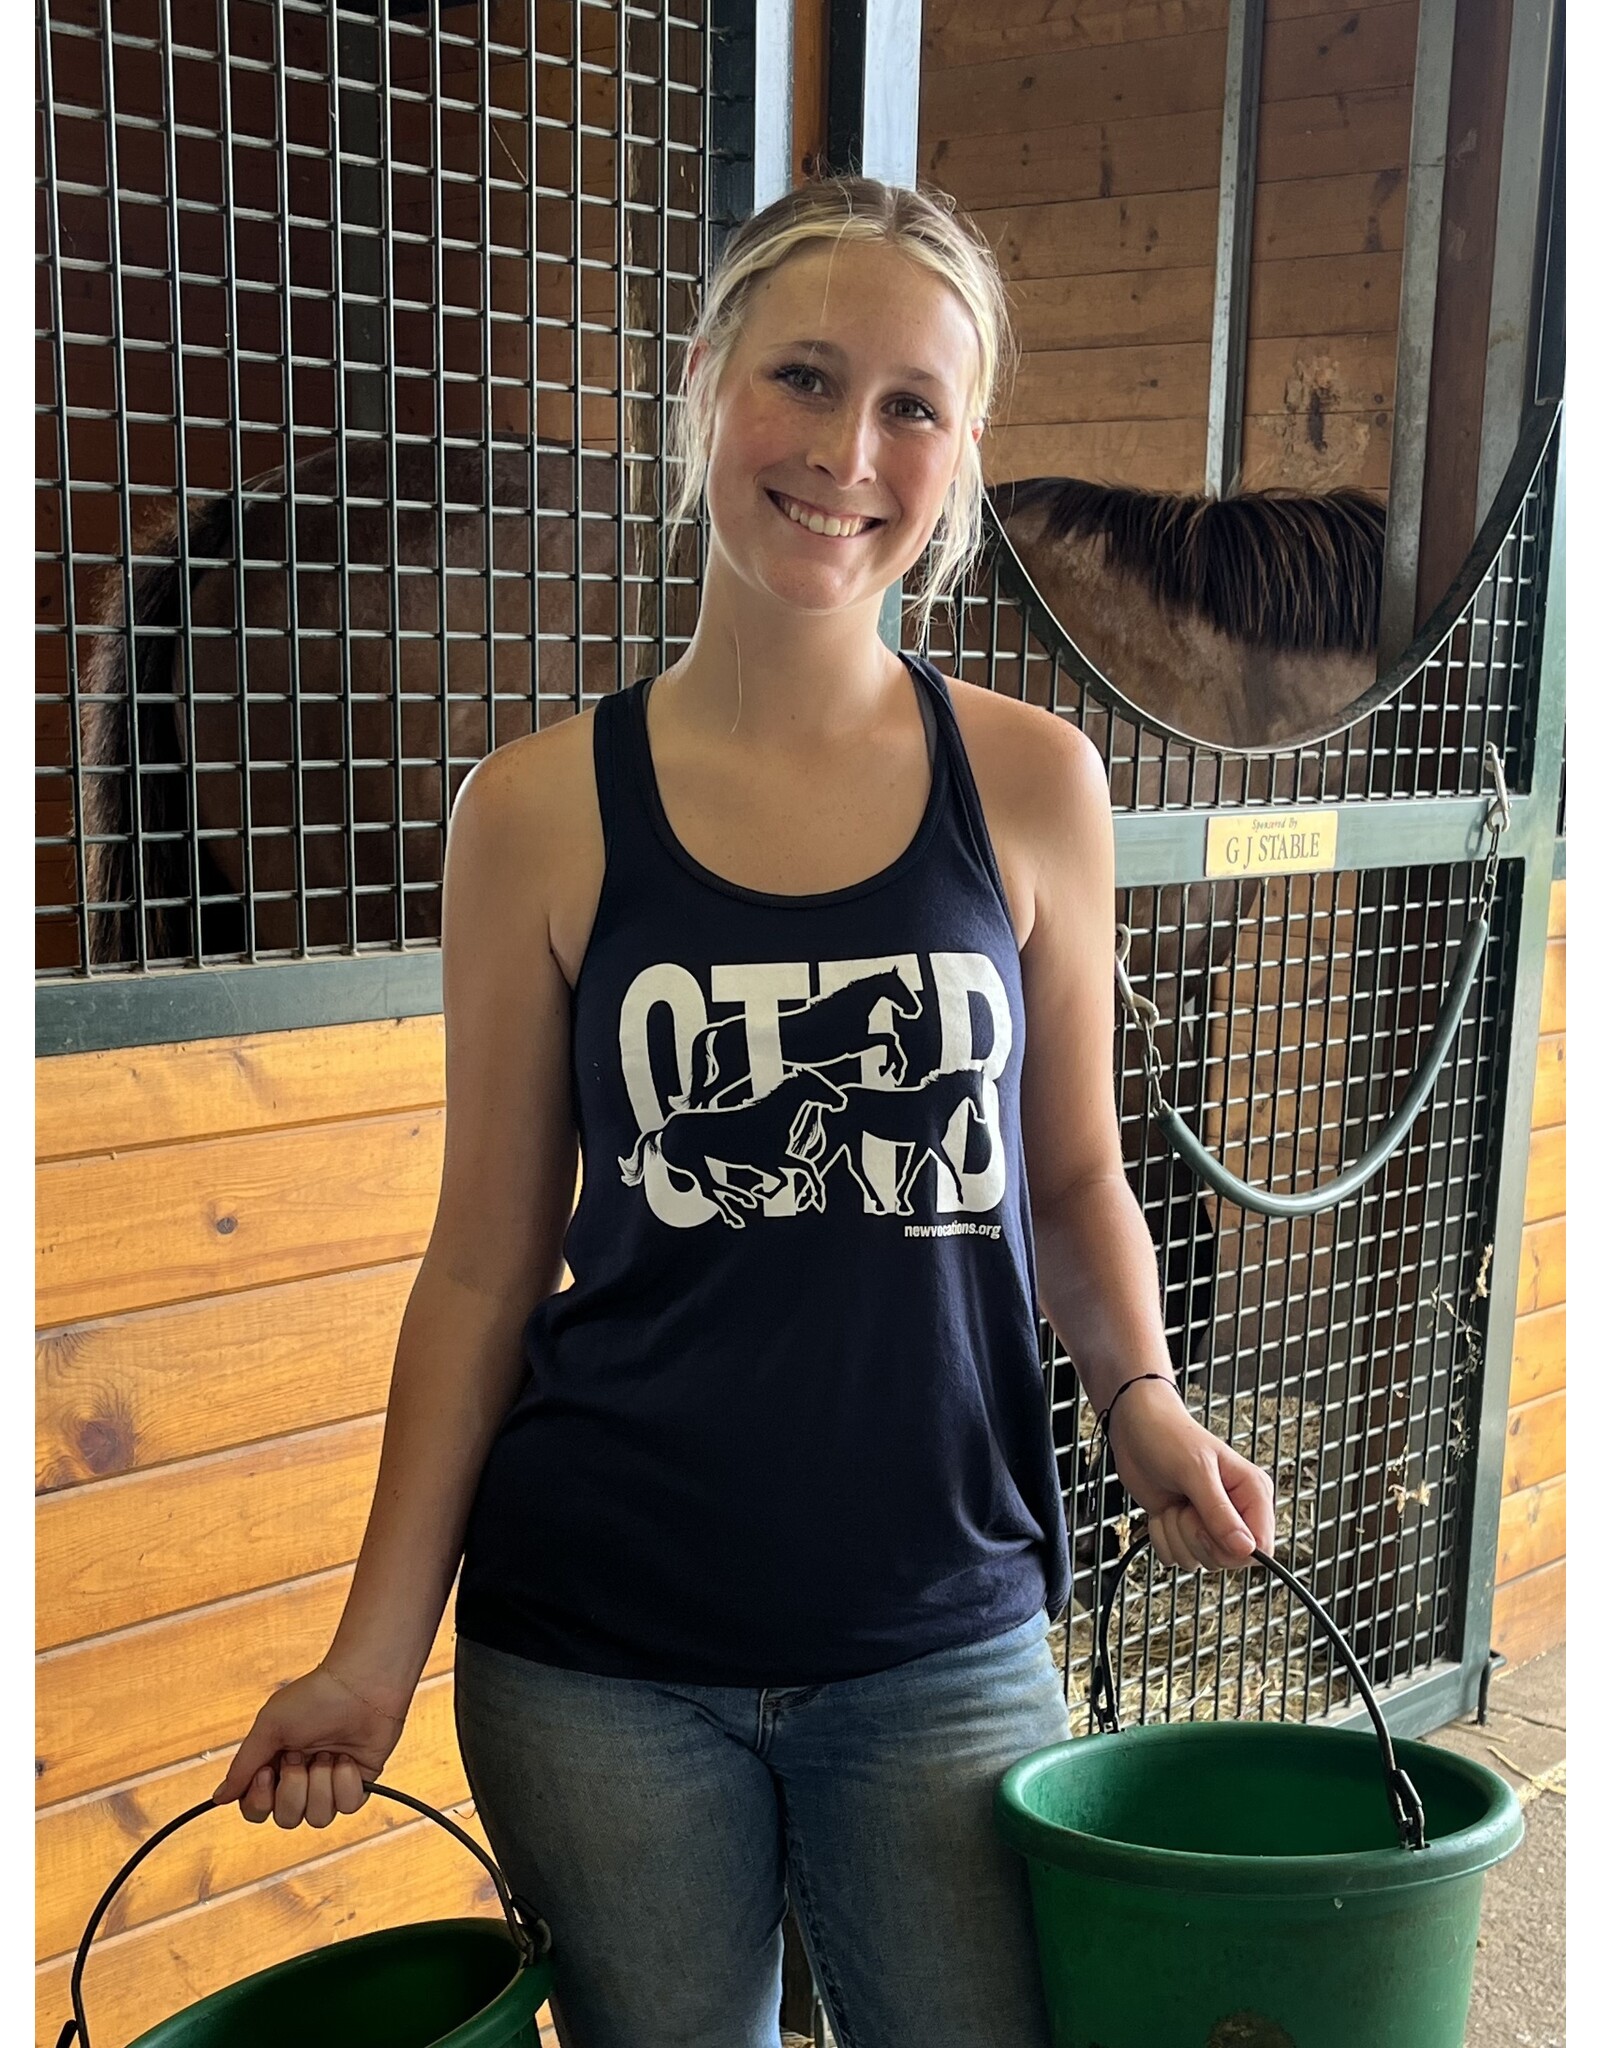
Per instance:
(355,333)
(1343,1352)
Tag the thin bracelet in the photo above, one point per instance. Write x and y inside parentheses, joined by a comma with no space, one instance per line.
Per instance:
(383,1712)
(1102,1426)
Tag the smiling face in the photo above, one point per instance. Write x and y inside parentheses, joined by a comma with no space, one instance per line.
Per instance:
(844,399)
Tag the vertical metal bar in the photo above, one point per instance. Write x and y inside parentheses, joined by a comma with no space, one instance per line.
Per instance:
(442,463)
(69,601)
(1475,1586)
(385,184)
(1419,282)
(1236,201)
(1531,79)
(291,538)
(180,435)
(141,953)
(486,294)
(575,15)
(341,422)
(236,450)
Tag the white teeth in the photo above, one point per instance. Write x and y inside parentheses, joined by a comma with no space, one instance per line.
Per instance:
(816,522)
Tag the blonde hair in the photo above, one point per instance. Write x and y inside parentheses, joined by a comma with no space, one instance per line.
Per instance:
(923,225)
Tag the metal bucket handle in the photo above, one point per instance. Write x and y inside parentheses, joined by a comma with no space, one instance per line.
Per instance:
(1404,1803)
(527,1928)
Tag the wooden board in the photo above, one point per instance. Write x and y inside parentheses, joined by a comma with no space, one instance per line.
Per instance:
(1539,1354)
(1553,997)
(1533,1529)
(1547,1174)
(1085,237)
(1542,1266)
(1067,386)
(127,1393)
(1361,215)
(956,34)
(1307,379)
(1144,308)
(1536,1442)
(1161,75)
(1314,376)
(983,75)
(1550,1083)
(123,1551)
(1310,450)
(79,1846)
(168,1690)
(1338,51)
(1096,159)
(135,1979)
(1557,924)
(1530,1614)
(160,1094)
(1161,455)
(172,1222)
(1111,158)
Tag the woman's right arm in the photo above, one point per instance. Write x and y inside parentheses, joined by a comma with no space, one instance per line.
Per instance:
(505,1195)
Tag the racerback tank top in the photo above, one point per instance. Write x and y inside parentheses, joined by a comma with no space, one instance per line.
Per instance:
(787,1424)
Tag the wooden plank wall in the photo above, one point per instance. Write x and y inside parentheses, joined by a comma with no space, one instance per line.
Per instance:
(227,1233)
(1085,140)
(1531,1570)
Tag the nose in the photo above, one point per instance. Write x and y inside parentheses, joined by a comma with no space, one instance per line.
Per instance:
(843,446)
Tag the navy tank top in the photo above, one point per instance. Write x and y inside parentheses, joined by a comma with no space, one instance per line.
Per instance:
(787,1423)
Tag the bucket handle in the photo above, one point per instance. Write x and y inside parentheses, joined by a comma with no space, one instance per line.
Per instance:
(1404,1803)
(528,1929)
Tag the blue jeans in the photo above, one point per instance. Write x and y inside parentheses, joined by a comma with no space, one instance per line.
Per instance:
(663,1829)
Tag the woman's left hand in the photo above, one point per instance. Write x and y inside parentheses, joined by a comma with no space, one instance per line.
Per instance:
(1208,1506)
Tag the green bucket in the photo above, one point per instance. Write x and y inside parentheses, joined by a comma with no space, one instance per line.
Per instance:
(1238,1884)
(471,1983)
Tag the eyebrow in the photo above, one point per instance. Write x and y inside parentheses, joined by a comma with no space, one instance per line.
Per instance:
(907,370)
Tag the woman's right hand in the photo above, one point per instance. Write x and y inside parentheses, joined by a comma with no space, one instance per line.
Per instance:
(311,1752)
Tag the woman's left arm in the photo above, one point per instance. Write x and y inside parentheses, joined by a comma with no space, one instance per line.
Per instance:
(1098,1279)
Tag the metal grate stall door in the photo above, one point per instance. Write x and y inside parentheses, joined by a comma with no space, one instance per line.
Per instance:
(356,326)
(1362,1354)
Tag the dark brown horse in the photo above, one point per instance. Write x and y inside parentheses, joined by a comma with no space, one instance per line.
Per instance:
(1243,621)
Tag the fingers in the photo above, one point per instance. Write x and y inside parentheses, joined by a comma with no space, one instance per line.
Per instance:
(289,1804)
(1172,1540)
(256,1804)
(1216,1530)
(349,1787)
(320,1806)
(257,1751)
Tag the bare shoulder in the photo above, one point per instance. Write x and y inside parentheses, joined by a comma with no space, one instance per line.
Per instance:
(535,785)
(1041,782)
(525,832)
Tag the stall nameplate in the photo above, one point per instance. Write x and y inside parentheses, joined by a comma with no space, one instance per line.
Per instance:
(1271,842)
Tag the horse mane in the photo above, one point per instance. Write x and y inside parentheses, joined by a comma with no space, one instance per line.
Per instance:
(1280,569)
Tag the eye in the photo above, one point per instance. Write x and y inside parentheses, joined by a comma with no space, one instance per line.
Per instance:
(791,370)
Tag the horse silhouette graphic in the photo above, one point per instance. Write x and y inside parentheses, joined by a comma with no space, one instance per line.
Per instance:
(831,1031)
(914,1127)
(756,1145)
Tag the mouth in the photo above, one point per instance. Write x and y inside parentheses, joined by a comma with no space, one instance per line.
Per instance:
(811,521)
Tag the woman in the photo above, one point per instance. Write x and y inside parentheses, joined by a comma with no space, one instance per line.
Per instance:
(761,1518)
